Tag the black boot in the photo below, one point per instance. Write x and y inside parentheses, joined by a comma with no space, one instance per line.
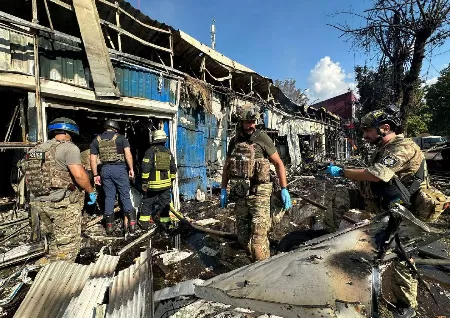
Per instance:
(132,221)
(109,223)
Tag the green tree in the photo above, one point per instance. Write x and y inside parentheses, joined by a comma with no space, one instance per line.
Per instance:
(374,88)
(438,101)
(399,32)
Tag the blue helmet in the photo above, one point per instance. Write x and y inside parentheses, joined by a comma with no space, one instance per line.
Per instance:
(64,124)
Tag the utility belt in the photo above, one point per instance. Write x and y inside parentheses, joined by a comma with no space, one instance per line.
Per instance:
(243,187)
(71,192)
(117,162)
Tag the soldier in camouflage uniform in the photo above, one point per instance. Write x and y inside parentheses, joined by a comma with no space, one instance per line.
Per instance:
(56,179)
(247,168)
(395,156)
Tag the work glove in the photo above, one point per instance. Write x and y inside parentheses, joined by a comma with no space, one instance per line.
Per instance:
(286,198)
(334,171)
(92,198)
(223,198)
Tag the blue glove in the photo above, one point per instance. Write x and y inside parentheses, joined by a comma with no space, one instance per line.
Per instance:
(92,198)
(223,198)
(334,171)
(286,198)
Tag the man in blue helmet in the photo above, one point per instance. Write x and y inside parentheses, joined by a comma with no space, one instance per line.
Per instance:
(56,179)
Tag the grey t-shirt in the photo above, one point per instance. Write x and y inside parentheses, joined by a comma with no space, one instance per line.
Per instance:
(66,154)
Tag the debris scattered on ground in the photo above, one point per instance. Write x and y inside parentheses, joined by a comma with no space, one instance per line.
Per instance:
(174,257)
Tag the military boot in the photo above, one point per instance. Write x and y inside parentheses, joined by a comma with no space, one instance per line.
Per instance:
(132,221)
(109,223)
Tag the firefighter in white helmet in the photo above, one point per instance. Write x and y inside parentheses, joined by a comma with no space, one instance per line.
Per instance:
(158,172)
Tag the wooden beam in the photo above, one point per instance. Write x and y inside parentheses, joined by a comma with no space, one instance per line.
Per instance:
(62,4)
(34,13)
(48,14)
(40,124)
(119,40)
(133,18)
(109,39)
(171,49)
(120,30)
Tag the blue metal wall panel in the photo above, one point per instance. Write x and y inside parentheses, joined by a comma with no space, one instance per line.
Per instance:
(198,145)
(137,82)
(191,145)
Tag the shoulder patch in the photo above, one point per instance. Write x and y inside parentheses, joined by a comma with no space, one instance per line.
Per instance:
(389,161)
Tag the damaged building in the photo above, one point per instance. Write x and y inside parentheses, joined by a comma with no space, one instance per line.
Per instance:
(95,60)
(110,61)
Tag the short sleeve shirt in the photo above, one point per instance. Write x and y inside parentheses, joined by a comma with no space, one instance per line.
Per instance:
(121,142)
(264,146)
(400,156)
(66,154)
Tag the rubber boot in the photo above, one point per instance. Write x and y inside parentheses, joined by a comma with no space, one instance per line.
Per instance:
(132,221)
(109,223)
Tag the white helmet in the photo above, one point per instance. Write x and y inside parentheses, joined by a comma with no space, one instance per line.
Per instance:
(159,136)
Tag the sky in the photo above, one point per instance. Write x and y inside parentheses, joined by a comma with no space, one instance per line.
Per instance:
(282,39)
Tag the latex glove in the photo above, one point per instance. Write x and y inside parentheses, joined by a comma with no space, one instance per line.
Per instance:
(97,180)
(286,198)
(334,171)
(223,198)
(92,198)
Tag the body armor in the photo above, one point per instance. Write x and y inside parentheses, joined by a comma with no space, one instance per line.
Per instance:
(108,150)
(245,171)
(42,174)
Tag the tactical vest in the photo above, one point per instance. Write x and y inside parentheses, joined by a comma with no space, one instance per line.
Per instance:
(42,173)
(108,150)
(243,164)
(160,177)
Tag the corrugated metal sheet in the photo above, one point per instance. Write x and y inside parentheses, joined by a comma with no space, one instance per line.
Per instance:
(140,82)
(64,62)
(16,52)
(54,288)
(314,280)
(131,293)
(201,147)
(191,146)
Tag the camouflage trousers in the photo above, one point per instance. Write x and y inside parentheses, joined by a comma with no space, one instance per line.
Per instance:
(60,222)
(404,285)
(253,222)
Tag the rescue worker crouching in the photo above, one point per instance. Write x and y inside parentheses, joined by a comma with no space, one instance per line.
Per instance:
(397,174)
(114,152)
(247,168)
(56,179)
(158,172)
